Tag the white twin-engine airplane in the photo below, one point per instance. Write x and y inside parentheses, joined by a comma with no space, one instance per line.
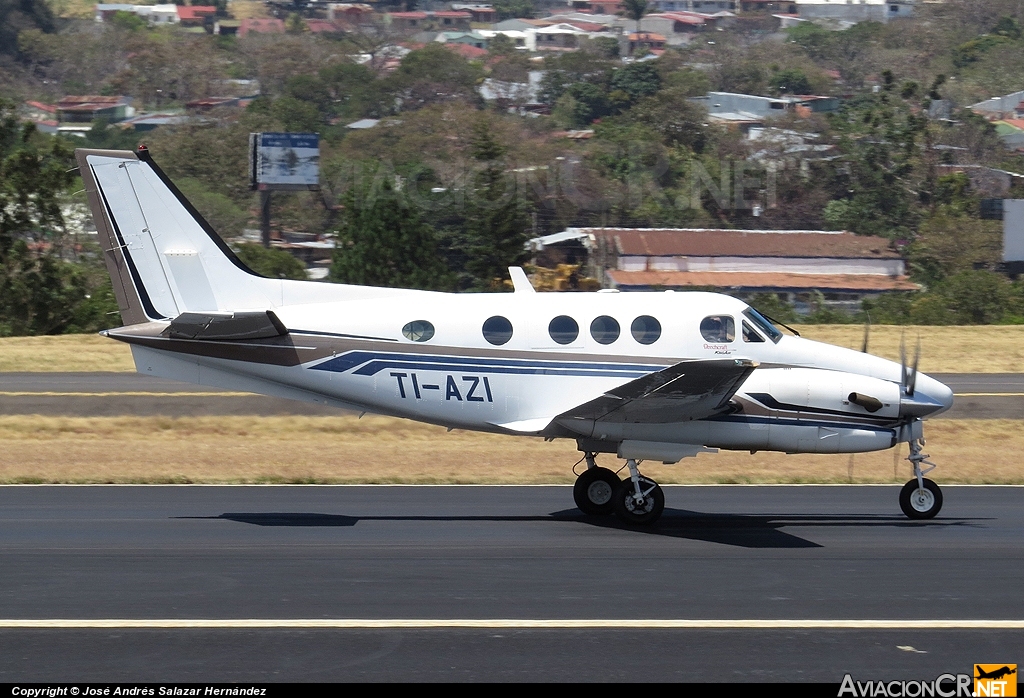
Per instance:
(645,376)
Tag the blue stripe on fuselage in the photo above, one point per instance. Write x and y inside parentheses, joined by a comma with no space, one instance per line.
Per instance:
(371,363)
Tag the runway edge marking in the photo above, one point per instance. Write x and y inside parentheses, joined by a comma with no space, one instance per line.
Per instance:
(538,623)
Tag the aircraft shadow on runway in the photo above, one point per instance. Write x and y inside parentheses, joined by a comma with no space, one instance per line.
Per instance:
(741,530)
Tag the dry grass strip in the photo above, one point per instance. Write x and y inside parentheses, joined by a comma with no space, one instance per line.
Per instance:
(346,449)
(981,349)
(63,353)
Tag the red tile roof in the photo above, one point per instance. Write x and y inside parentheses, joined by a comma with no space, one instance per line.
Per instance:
(646,36)
(742,243)
(775,281)
(683,17)
(320,26)
(261,26)
(585,26)
(466,51)
(454,15)
(409,15)
(42,107)
(187,12)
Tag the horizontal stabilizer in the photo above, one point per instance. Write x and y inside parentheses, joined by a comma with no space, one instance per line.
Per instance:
(259,324)
(688,390)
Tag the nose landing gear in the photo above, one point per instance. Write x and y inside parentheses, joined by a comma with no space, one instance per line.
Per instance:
(920,498)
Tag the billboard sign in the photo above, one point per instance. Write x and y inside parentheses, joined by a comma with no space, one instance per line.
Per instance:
(284,160)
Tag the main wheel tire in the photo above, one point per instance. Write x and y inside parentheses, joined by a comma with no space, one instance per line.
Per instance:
(920,503)
(594,491)
(644,512)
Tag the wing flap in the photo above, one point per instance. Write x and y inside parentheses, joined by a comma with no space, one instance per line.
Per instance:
(685,391)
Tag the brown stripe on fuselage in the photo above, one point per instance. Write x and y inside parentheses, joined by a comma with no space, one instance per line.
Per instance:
(297,348)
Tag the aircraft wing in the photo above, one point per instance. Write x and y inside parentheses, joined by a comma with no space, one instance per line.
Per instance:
(688,390)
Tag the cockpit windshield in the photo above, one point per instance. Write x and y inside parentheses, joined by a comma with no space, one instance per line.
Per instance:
(763,324)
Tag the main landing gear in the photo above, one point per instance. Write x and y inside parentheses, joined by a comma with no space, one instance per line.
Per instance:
(920,498)
(635,500)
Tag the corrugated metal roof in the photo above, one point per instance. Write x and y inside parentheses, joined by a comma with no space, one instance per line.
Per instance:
(743,243)
(767,281)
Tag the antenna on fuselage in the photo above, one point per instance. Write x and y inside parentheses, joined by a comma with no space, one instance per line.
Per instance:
(520,282)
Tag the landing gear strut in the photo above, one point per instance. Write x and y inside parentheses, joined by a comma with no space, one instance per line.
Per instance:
(638,500)
(920,498)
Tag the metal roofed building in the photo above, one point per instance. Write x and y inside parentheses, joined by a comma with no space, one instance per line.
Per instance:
(860,11)
(843,267)
(758,107)
(84,109)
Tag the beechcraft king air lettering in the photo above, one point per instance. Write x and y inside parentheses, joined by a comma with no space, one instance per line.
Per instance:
(644,376)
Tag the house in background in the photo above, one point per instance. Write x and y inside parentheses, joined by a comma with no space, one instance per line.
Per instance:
(76,113)
(758,107)
(485,14)
(153,14)
(44,116)
(196,15)
(853,12)
(421,21)
(796,265)
(470,38)
(261,26)
(1007,114)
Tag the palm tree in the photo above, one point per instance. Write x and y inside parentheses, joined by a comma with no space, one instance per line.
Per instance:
(635,10)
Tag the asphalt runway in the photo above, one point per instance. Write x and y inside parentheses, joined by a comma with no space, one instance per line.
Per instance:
(978,396)
(226,561)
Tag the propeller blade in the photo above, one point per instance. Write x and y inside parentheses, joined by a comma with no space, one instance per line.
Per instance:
(867,333)
(903,360)
(912,379)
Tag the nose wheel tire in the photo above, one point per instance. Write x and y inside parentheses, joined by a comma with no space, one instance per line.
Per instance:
(594,491)
(644,510)
(921,502)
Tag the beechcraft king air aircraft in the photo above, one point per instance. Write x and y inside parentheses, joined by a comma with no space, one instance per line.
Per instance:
(644,376)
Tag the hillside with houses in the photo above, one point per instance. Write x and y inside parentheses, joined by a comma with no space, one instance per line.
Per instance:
(824,160)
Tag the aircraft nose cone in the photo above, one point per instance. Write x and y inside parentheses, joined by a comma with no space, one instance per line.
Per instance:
(930,398)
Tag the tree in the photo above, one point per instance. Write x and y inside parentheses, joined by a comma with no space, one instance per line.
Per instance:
(382,241)
(675,117)
(40,293)
(508,9)
(276,264)
(637,80)
(496,224)
(635,10)
(21,15)
(435,74)
(792,81)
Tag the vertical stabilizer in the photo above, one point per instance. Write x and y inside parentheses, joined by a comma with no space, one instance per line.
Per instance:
(163,257)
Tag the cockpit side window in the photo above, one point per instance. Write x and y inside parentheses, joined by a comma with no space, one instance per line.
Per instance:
(764,324)
(718,328)
(749,334)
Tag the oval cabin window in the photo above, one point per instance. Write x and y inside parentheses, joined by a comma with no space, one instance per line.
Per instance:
(645,329)
(563,330)
(604,329)
(497,330)
(418,331)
